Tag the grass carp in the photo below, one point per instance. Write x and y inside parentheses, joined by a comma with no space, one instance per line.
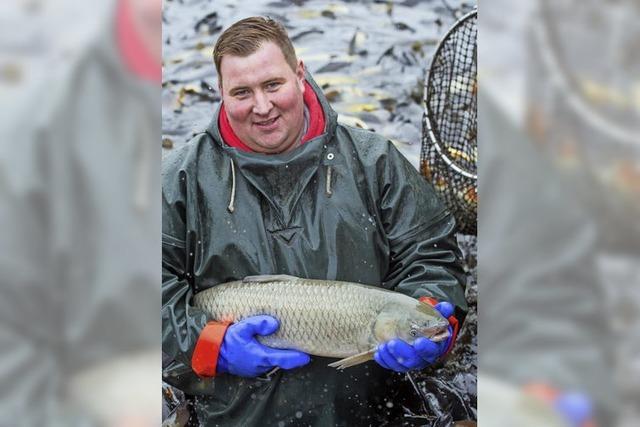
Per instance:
(325,318)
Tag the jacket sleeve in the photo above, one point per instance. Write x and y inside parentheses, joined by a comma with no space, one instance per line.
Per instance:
(182,323)
(425,257)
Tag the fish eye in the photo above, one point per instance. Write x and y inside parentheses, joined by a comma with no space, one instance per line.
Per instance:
(414,330)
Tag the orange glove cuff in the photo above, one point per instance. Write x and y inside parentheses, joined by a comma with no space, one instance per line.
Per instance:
(205,355)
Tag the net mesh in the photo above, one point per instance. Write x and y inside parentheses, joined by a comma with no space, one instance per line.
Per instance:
(449,151)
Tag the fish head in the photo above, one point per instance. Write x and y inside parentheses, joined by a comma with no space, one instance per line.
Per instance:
(409,322)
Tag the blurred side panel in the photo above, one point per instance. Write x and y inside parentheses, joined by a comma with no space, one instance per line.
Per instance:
(79,180)
(559,149)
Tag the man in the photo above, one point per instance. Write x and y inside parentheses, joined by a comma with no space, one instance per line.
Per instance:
(276,186)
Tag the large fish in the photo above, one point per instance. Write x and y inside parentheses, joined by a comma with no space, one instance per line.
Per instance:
(325,318)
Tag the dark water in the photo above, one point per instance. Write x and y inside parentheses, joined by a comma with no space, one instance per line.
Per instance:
(370,58)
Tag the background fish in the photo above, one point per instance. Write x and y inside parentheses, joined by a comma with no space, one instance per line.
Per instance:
(323,317)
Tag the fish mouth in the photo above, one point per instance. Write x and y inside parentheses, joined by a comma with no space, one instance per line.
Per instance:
(437,334)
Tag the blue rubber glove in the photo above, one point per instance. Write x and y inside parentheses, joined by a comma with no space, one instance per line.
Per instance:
(242,354)
(399,356)
(575,408)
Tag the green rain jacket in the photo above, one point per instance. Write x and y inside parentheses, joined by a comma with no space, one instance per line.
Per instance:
(347,206)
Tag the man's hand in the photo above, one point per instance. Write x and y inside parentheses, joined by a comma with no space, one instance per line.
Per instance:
(241,354)
(399,356)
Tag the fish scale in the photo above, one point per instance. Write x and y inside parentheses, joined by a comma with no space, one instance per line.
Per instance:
(319,317)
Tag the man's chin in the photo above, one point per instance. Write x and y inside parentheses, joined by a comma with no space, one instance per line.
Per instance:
(273,147)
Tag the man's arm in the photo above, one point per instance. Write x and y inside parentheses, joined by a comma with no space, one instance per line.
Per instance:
(182,323)
(425,257)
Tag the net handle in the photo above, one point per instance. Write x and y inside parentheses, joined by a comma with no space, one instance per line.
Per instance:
(425,97)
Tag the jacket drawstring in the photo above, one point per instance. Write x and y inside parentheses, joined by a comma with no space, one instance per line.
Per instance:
(232,199)
(328,185)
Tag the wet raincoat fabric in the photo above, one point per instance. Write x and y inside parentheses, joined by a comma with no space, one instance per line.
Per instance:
(344,206)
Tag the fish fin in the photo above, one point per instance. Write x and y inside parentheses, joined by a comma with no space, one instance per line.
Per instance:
(268,278)
(353,360)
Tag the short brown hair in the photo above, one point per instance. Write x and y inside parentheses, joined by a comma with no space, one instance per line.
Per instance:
(247,35)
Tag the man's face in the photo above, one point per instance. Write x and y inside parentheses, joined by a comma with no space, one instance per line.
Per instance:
(263,99)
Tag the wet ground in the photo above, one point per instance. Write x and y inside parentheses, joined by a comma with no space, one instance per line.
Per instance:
(370,58)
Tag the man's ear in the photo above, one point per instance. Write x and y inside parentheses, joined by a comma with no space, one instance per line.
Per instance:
(300,74)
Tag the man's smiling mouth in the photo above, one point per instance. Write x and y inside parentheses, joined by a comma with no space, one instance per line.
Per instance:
(266,123)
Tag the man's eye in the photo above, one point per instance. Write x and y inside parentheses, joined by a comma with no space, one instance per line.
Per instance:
(273,86)
(241,94)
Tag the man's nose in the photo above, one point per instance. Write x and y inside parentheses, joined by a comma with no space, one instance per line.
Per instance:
(262,104)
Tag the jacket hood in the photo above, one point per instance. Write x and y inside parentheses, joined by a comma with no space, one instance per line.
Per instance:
(270,174)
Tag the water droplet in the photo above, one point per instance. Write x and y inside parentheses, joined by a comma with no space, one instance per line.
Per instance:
(299,414)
